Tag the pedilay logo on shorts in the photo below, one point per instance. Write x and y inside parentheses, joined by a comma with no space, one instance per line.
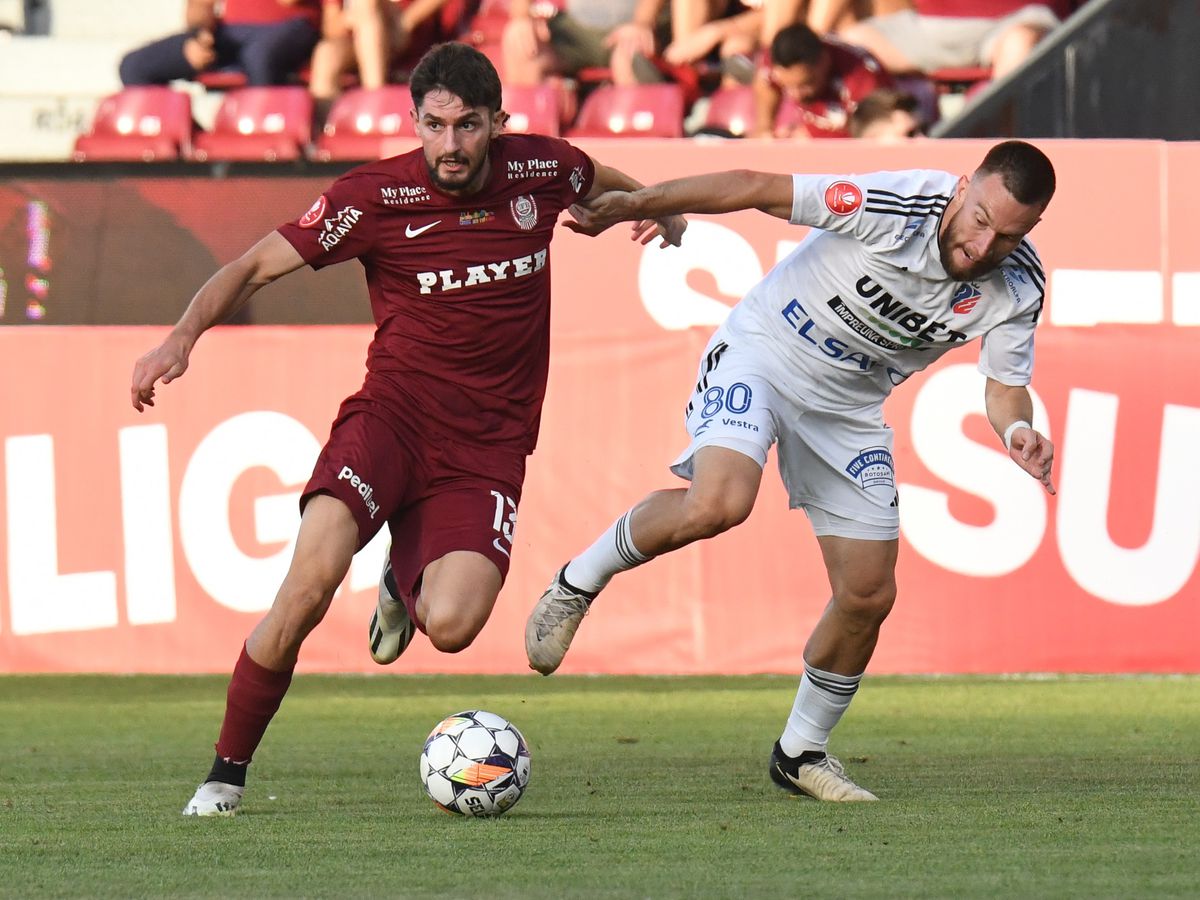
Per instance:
(364,490)
(872,467)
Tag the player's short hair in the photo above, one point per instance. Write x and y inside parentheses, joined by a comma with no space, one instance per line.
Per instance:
(1025,171)
(795,45)
(463,71)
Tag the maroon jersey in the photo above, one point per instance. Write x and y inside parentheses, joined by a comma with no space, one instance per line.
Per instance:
(853,73)
(459,286)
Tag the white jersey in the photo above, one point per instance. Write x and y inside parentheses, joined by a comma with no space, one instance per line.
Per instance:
(868,297)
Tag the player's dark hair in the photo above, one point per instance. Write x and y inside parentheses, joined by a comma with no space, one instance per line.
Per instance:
(462,71)
(880,104)
(797,44)
(1025,171)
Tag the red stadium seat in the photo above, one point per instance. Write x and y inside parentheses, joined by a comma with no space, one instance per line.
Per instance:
(533,110)
(139,123)
(222,79)
(258,123)
(644,110)
(731,109)
(363,124)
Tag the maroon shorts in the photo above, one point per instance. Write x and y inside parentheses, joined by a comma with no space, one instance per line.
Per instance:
(436,496)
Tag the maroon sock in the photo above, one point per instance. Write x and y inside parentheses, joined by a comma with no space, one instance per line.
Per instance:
(254,696)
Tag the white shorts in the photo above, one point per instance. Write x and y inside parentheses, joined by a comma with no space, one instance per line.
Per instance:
(950,42)
(837,467)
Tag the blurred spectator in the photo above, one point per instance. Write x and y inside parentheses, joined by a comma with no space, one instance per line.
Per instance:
(823,78)
(376,37)
(887,115)
(619,34)
(738,29)
(358,33)
(953,34)
(698,27)
(268,40)
(822,16)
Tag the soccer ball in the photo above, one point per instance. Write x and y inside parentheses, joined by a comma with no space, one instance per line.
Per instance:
(475,763)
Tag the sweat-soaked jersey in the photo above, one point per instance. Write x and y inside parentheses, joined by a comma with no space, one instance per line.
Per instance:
(866,298)
(459,286)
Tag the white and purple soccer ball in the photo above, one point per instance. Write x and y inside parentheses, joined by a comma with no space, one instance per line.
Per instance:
(475,763)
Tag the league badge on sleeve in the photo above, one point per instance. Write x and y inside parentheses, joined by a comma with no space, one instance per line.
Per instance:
(315,213)
(843,198)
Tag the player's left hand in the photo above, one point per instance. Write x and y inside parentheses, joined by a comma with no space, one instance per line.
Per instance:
(1034,453)
(669,228)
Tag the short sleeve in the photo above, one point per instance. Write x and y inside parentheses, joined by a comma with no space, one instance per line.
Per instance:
(1006,353)
(581,172)
(872,208)
(340,225)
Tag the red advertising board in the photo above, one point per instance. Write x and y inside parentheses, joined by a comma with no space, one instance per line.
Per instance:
(153,543)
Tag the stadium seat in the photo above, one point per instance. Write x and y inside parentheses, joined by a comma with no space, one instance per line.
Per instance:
(533,109)
(363,123)
(644,110)
(222,79)
(730,109)
(139,123)
(258,123)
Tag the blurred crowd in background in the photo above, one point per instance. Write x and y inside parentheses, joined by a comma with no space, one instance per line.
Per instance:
(776,69)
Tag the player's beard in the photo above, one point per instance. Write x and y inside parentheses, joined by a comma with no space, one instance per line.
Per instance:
(948,242)
(460,181)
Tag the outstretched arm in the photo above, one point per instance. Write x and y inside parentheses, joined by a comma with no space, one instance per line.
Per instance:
(220,297)
(609,181)
(718,192)
(1010,410)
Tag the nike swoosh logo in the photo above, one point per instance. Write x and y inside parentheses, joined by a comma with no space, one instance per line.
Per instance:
(411,232)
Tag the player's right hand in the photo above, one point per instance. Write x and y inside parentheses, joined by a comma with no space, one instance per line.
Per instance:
(166,362)
(601,212)
(1034,453)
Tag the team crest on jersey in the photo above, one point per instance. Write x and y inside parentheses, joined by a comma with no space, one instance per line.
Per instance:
(843,198)
(965,298)
(476,217)
(315,213)
(524,211)
(873,467)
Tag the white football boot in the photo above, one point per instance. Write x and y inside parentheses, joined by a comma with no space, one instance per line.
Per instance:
(213,798)
(822,777)
(553,623)
(391,628)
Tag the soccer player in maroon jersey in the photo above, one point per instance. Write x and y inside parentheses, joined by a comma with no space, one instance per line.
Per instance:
(454,238)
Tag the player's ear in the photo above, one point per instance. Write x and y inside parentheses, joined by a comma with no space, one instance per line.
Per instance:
(499,121)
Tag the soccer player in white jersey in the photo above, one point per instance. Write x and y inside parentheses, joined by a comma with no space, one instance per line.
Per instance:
(900,268)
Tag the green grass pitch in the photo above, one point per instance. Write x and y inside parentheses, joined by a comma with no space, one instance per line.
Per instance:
(641,787)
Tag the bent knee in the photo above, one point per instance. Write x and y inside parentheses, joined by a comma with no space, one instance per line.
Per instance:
(870,603)
(706,517)
(451,637)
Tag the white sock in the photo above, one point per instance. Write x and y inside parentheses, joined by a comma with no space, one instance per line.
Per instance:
(614,552)
(820,702)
